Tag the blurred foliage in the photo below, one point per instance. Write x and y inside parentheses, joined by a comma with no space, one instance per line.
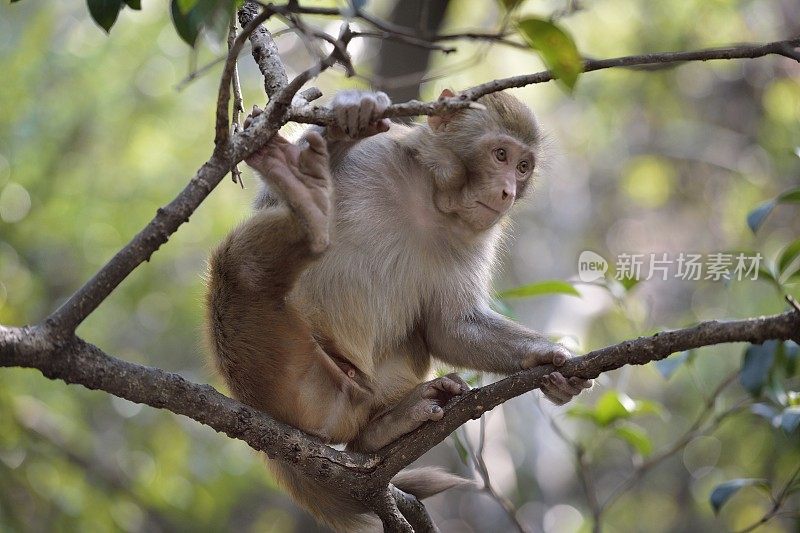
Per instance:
(94,137)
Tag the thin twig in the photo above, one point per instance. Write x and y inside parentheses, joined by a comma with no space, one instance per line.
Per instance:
(480,465)
(238,103)
(264,50)
(746,51)
(587,484)
(778,501)
(694,430)
(413,41)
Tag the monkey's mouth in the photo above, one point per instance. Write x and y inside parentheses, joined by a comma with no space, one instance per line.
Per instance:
(495,211)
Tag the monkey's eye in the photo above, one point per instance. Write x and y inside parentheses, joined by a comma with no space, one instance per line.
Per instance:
(500,154)
(523,167)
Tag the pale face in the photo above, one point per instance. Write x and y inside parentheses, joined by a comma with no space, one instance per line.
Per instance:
(498,172)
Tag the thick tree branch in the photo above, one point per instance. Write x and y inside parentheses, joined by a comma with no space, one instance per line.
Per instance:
(633,352)
(415,513)
(76,361)
(363,475)
(386,508)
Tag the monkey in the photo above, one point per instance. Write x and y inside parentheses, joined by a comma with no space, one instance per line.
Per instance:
(369,253)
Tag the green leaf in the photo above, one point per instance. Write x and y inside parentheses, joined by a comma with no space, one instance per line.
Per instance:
(185,5)
(636,437)
(765,411)
(461,449)
(582,411)
(613,406)
(510,5)
(764,273)
(788,255)
(134,4)
(758,360)
(629,282)
(540,288)
(724,491)
(790,419)
(791,357)
(501,307)
(556,48)
(756,217)
(188,24)
(792,196)
(104,12)
(472,378)
(648,407)
(667,367)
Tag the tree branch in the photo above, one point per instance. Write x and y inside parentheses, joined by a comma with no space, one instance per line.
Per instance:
(76,361)
(415,513)
(633,352)
(393,520)
(265,52)
(323,116)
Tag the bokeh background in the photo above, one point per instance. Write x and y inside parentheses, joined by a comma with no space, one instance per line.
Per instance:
(95,135)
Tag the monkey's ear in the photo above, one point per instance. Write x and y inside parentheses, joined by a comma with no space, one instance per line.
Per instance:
(438,123)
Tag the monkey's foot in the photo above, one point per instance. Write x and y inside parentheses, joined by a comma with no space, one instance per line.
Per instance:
(302,177)
(358,114)
(427,400)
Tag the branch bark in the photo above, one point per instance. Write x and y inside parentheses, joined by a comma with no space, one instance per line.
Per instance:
(265,52)
(76,361)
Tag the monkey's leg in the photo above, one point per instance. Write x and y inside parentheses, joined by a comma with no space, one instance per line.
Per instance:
(425,402)
(264,348)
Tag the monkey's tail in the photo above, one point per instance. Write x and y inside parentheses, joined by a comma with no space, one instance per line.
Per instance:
(344,514)
(429,480)
(333,509)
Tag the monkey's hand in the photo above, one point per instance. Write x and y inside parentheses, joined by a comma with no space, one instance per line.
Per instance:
(302,177)
(358,115)
(555,387)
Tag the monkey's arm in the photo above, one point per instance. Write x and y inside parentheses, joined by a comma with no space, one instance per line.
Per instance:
(485,340)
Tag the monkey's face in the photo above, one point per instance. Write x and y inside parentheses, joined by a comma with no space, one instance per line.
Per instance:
(498,169)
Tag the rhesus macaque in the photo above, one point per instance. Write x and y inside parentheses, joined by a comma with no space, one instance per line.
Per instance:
(369,253)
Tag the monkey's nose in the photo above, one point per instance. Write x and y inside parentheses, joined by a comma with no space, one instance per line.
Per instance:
(506,194)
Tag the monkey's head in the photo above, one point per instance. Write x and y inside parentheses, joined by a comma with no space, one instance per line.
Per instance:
(485,159)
